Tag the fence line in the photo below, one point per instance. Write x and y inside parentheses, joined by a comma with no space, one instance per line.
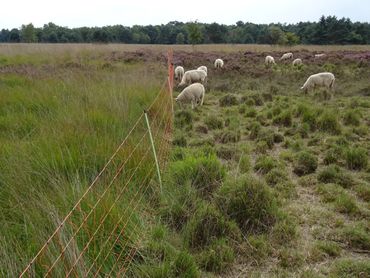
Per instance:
(82,244)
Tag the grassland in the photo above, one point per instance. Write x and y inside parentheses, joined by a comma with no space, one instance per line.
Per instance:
(262,180)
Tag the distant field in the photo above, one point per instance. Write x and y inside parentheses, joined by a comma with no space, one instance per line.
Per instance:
(21,48)
(262,180)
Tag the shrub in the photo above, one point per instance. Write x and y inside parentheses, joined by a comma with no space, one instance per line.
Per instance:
(333,155)
(265,164)
(285,230)
(251,112)
(226,153)
(267,96)
(356,158)
(183,118)
(347,268)
(228,100)
(205,173)
(249,202)
(352,117)
(345,203)
(207,225)
(308,115)
(363,191)
(217,257)
(276,176)
(214,122)
(328,122)
(305,163)
(356,236)
(278,137)
(178,206)
(244,163)
(329,248)
(228,136)
(258,248)
(290,258)
(334,174)
(255,130)
(258,100)
(285,118)
(266,135)
(184,266)
(201,129)
(329,191)
(179,140)
(242,109)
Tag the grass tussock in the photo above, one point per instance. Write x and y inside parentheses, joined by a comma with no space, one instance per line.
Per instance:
(249,202)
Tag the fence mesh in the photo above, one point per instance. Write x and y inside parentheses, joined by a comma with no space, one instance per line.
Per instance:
(101,234)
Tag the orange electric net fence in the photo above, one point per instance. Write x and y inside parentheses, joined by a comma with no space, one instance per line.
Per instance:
(101,234)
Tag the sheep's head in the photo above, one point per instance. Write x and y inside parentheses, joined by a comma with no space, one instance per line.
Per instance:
(305,89)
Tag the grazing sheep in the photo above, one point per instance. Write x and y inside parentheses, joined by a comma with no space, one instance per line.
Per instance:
(269,60)
(321,55)
(219,63)
(286,56)
(179,72)
(323,79)
(193,93)
(192,76)
(203,68)
(297,62)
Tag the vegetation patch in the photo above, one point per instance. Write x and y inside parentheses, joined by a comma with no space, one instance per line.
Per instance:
(228,100)
(356,158)
(207,225)
(305,163)
(249,202)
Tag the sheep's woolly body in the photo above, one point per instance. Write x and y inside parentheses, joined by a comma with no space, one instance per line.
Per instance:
(219,63)
(297,62)
(179,72)
(287,56)
(323,79)
(321,55)
(269,60)
(192,76)
(203,68)
(193,93)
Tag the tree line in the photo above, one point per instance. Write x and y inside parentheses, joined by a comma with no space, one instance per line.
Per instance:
(328,30)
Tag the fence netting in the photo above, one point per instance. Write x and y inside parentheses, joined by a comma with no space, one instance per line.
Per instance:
(101,233)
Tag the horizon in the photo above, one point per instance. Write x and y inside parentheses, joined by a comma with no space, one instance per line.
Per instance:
(74,15)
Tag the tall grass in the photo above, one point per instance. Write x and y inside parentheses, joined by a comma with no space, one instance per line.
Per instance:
(58,127)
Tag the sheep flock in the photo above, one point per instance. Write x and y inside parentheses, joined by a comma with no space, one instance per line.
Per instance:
(195,80)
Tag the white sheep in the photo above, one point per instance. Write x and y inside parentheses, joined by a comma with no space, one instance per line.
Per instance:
(219,63)
(192,76)
(179,72)
(203,68)
(321,55)
(297,62)
(287,56)
(323,79)
(269,60)
(193,93)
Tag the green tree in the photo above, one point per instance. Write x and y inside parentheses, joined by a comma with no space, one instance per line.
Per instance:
(194,33)
(276,35)
(291,38)
(180,38)
(28,33)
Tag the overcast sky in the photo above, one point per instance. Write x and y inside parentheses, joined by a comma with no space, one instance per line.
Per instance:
(77,13)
